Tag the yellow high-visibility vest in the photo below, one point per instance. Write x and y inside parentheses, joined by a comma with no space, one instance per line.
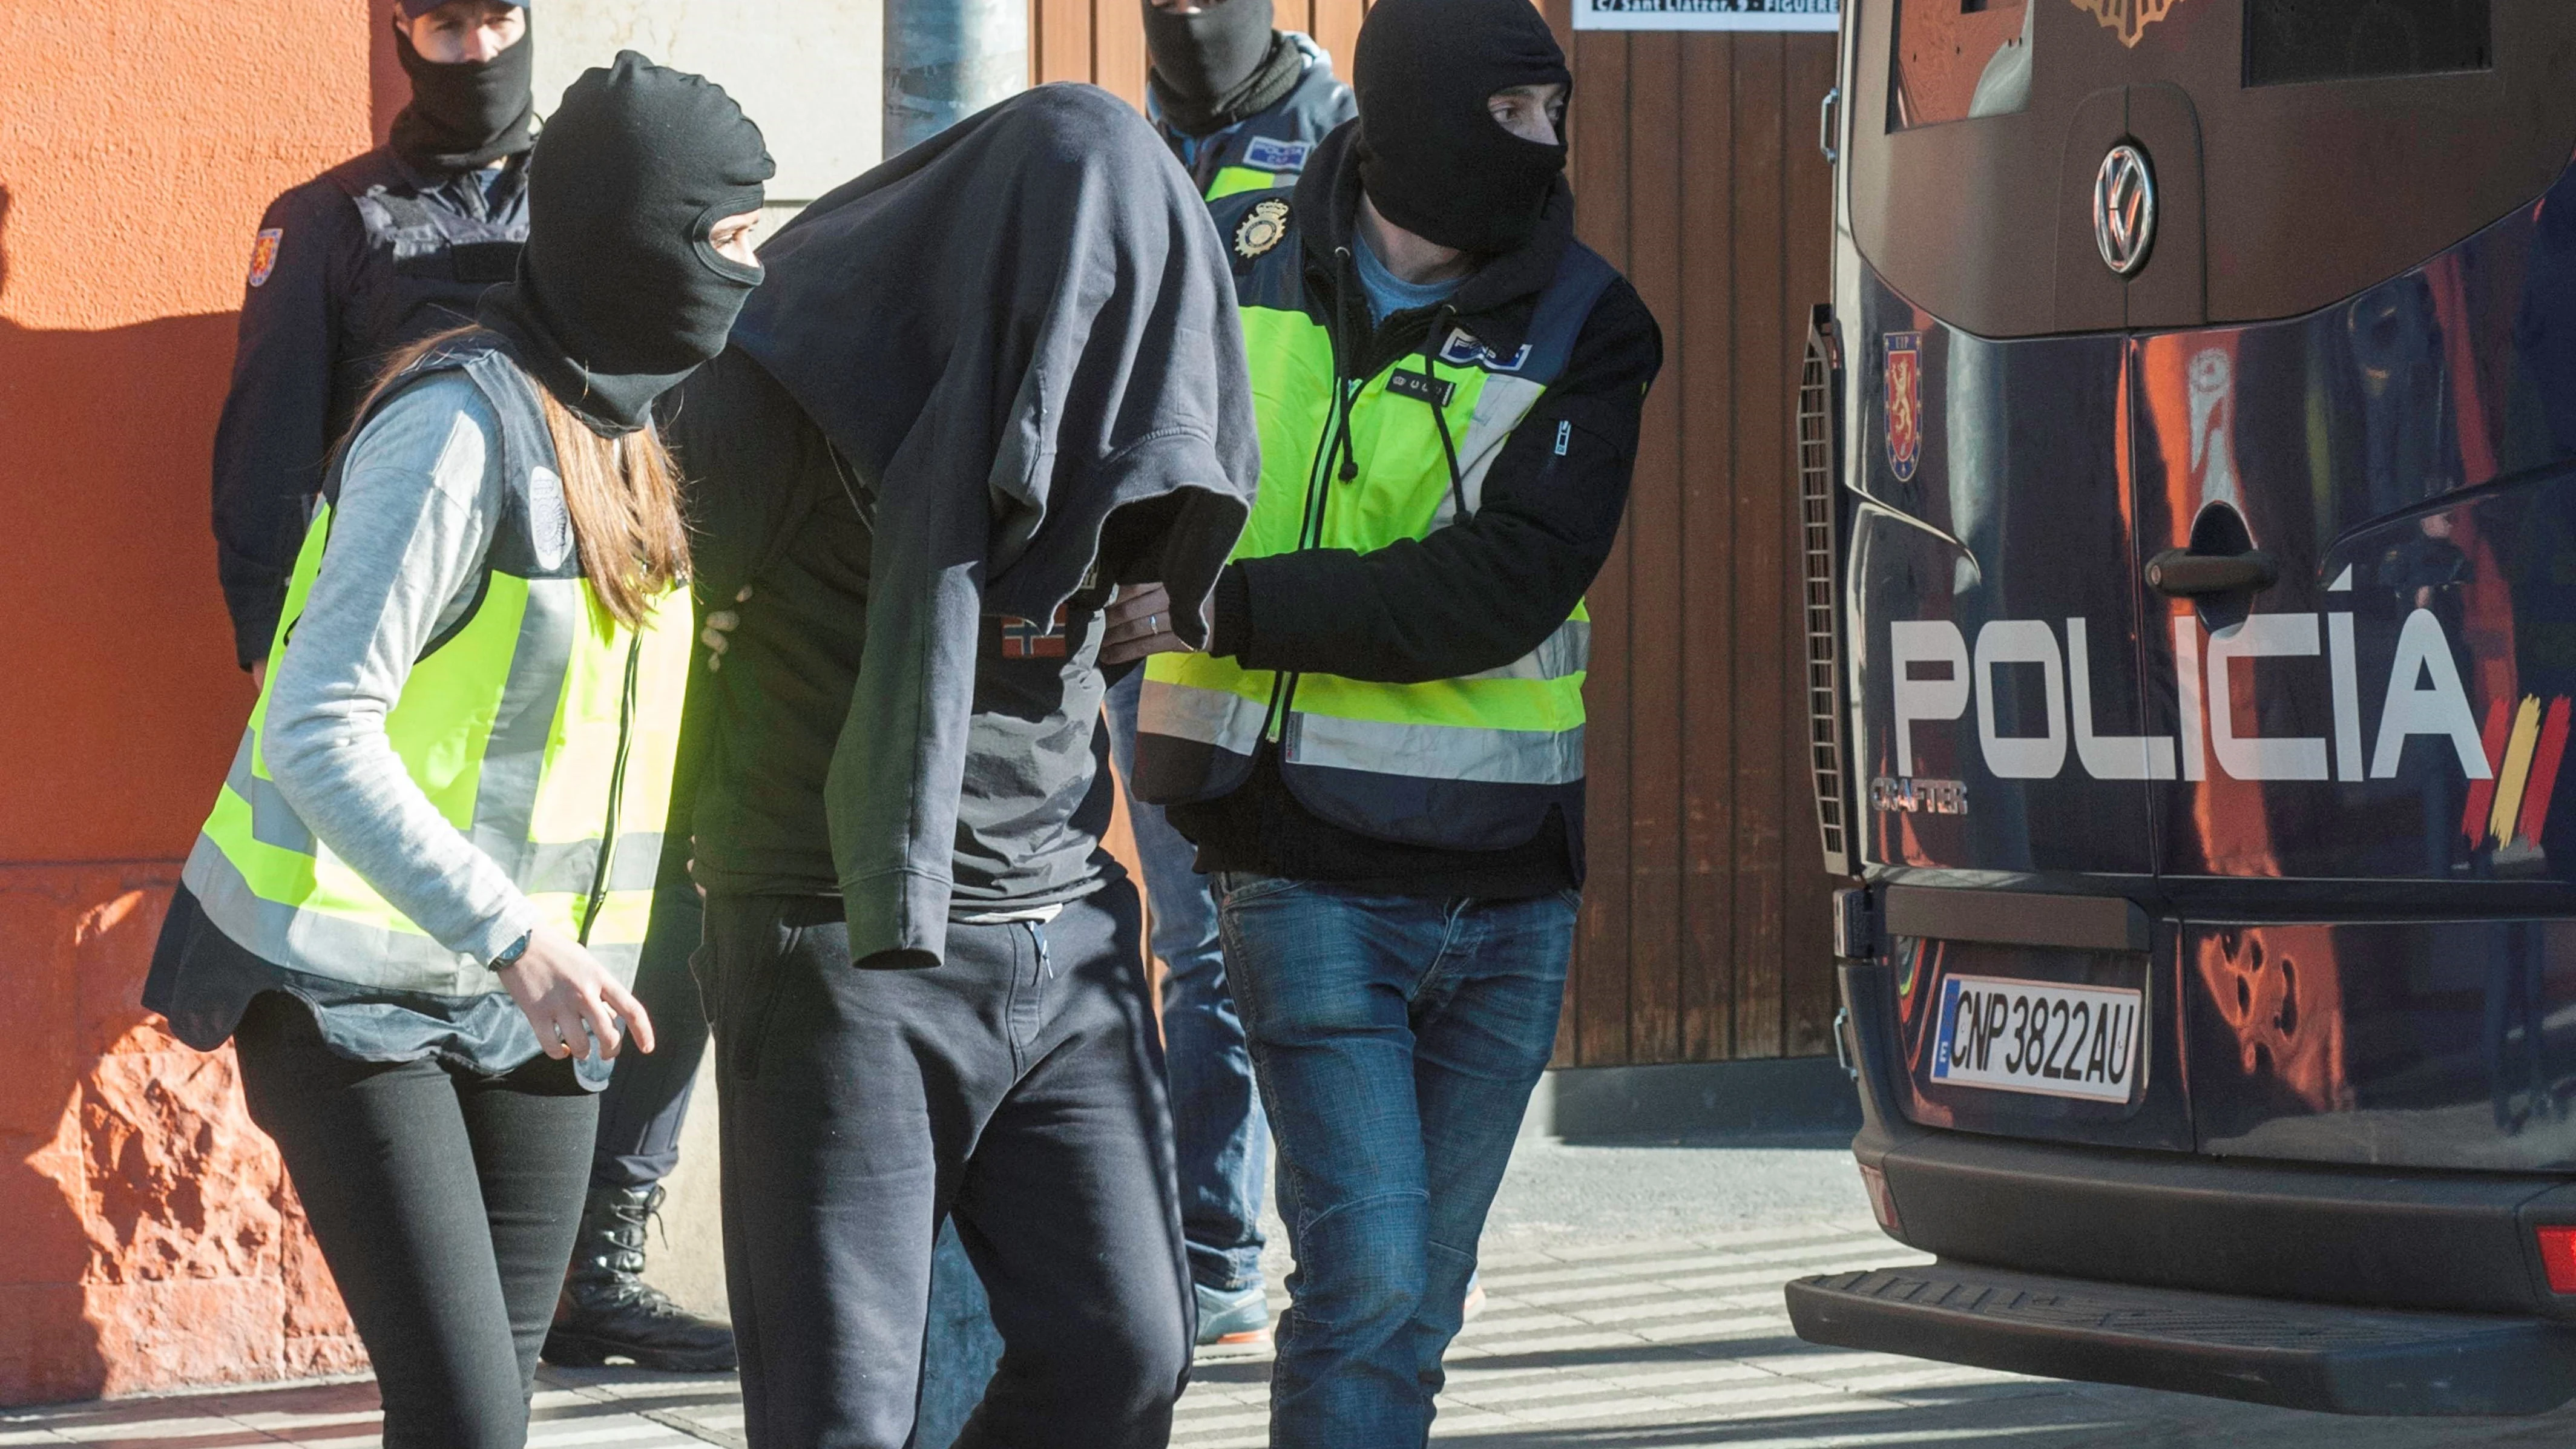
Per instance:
(1472,763)
(540,727)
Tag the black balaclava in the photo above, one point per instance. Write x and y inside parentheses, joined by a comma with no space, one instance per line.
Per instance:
(1214,67)
(1432,157)
(620,294)
(469,114)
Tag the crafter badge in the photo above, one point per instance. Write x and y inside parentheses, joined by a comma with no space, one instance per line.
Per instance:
(1261,228)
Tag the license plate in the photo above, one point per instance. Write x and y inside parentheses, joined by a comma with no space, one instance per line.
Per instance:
(2033,1036)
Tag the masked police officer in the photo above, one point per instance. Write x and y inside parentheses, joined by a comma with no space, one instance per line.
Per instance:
(348,269)
(1242,104)
(1380,752)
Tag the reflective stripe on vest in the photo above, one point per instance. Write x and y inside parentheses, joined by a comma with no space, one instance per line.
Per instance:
(538,726)
(1236,180)
(1469,763)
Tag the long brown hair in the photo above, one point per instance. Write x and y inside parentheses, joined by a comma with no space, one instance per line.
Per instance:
(622,493)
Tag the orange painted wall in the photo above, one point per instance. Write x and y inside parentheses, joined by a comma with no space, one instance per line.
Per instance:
(147,1236)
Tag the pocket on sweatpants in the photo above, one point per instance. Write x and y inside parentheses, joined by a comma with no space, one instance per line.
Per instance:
(702,970)
(746,990)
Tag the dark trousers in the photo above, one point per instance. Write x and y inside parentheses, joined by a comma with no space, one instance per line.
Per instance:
(647,1101)
(445,1203)
(1016,1088)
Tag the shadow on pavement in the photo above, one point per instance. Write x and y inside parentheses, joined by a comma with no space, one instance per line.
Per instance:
(1637,1353)
(1834,1140)
(2041,1413)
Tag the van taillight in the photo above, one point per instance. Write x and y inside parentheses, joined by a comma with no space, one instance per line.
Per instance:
(1882,1203)
(2558,1258)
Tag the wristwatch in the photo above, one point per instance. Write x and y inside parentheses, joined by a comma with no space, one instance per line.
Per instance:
(511,953)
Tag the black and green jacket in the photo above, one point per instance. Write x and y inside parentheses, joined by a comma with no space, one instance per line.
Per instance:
(1487,586)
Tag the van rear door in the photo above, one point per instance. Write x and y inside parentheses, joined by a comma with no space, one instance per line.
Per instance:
(2353,517)
(2002,759)
(1998,668)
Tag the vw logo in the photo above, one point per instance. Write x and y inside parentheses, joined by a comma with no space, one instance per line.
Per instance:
(2124,209)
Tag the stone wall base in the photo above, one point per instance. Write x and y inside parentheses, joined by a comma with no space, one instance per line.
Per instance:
(149,1238)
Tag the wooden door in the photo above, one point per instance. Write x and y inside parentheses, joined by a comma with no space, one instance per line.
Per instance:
(1696,170)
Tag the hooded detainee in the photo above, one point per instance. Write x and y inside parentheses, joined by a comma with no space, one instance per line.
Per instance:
(985,384)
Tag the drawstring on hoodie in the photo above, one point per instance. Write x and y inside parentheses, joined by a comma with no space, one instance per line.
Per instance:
(1439,414)
(1346,282)
(1337,440)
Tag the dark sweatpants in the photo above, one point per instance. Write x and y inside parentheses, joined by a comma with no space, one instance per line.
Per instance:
(445,1203)
(1019,1088)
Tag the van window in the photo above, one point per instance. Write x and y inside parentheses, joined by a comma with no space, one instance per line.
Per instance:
(2323,40)
(1959,58)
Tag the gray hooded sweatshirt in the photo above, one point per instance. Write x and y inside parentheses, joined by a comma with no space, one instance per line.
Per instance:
(1021,338)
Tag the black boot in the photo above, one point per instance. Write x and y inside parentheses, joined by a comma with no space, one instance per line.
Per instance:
(610,1311)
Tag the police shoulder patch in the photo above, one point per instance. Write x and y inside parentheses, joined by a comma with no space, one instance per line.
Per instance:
(1262,228)
(263,255)
(1463,350)
(1271,154)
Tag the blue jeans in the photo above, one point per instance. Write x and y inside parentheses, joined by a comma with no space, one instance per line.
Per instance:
(1397,1039)
(1218,1134)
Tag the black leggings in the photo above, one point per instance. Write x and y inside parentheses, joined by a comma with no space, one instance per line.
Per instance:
(445,1203)
(647,1101)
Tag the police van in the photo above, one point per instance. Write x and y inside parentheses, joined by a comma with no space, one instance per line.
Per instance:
(2188,458)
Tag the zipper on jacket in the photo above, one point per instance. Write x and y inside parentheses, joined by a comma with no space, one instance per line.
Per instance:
(616,785)
(1310,534)
(1319,496)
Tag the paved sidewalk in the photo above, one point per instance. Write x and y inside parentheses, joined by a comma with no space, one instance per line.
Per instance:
(1634,1303)
(609,1409)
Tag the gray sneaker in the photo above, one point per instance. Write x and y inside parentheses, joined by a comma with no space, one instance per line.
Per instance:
(1236,1319)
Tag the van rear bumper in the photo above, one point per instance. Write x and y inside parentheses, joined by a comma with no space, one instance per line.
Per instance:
(2296,1355)
(2414,1241)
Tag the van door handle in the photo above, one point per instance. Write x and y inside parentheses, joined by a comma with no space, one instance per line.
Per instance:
(2183,574)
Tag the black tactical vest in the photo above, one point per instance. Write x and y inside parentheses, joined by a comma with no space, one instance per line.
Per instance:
(433,246)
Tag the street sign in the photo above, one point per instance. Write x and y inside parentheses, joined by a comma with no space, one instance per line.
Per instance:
(1824,15)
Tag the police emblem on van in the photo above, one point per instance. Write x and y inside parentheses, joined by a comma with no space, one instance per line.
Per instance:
(2127,19)
(1904,404)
